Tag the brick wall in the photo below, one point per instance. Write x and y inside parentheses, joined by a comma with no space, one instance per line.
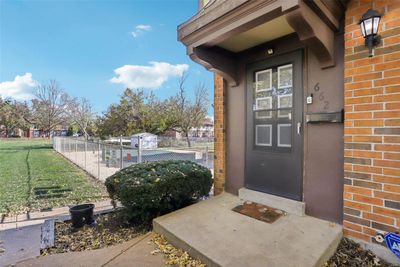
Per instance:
(219,133)
(372,124)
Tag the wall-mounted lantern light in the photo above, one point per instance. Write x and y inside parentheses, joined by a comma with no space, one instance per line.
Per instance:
(369,24)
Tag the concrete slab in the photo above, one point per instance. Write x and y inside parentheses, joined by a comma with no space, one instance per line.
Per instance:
(136,252)
(212,232)
(139,255)
(19,244)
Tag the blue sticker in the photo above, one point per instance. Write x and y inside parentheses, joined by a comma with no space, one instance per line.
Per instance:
(393,243)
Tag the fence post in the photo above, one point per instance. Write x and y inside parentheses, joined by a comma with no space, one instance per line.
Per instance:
(121,163)
(85,152)
(76,151)
(139,150)
(98,161)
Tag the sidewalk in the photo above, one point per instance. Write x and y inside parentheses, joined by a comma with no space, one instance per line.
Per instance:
(20,244)
(34,218)
(136,252)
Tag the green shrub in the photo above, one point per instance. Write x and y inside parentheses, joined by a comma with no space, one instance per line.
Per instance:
(148,190)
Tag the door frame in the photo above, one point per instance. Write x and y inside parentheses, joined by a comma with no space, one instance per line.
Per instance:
(298,80)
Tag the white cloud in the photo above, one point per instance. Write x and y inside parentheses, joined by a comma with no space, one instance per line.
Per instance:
(140,29)
(153,76)
(20,89)
(143,27)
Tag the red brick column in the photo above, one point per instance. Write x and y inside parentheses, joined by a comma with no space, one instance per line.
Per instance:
(372,124)
(219,134)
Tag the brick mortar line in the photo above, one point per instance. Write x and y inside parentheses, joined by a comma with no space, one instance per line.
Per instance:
(383,167)
(369,196)
(391,225)
(369,204)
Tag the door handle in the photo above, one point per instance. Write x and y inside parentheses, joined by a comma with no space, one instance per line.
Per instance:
(299,128)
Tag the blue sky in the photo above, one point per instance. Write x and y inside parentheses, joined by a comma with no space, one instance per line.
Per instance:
(95,49)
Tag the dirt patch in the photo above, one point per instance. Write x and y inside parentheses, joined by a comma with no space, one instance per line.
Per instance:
(350,253)
(110,229)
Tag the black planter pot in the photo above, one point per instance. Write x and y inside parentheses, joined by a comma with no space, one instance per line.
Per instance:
(81,214)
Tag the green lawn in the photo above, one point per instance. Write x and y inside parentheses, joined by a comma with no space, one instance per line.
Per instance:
(33,177)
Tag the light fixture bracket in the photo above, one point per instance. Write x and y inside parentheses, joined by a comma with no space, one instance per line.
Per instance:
(371,42)
(369,25)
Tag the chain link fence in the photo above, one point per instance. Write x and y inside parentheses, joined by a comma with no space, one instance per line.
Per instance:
(102,159)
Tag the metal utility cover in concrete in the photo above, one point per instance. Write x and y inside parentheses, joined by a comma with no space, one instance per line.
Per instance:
(213,233)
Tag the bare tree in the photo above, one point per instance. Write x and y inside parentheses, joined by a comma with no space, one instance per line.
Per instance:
(191,114)
(50,106)
(81,113)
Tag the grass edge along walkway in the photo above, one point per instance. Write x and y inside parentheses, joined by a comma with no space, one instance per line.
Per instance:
(35,177)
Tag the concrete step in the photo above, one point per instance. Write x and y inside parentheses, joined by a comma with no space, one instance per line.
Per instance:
(213,233)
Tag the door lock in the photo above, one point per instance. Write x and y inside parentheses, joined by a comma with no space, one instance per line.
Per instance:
(299,128)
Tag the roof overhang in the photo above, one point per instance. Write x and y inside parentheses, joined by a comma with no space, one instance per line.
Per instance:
(217,32)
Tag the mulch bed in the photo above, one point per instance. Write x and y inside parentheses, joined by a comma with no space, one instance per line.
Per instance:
(110,229)
(350,253)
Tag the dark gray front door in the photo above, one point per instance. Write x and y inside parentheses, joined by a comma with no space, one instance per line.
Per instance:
(275,126)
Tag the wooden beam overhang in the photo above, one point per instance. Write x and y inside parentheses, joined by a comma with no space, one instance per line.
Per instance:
(314,33)
(315,24)
(216,60)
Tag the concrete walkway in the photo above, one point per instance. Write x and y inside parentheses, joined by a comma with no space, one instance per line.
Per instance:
(19,244)
(136,252)
(212,232)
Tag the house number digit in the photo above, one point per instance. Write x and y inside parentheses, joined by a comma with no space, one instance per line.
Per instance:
(321,96)
(326,106)
(316,87)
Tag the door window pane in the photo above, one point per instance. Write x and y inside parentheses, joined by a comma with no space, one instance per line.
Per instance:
(263,80)
(264,135)
(263,103)
(285,135)
(285,76)
(284,102)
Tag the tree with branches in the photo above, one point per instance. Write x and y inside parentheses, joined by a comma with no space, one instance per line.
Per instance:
(190,113)
(81,113)
(50,106)
(136,112)
(14,115)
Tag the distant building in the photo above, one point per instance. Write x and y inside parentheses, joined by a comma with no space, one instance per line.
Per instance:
(205,130)
(172,134)
(34,132)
